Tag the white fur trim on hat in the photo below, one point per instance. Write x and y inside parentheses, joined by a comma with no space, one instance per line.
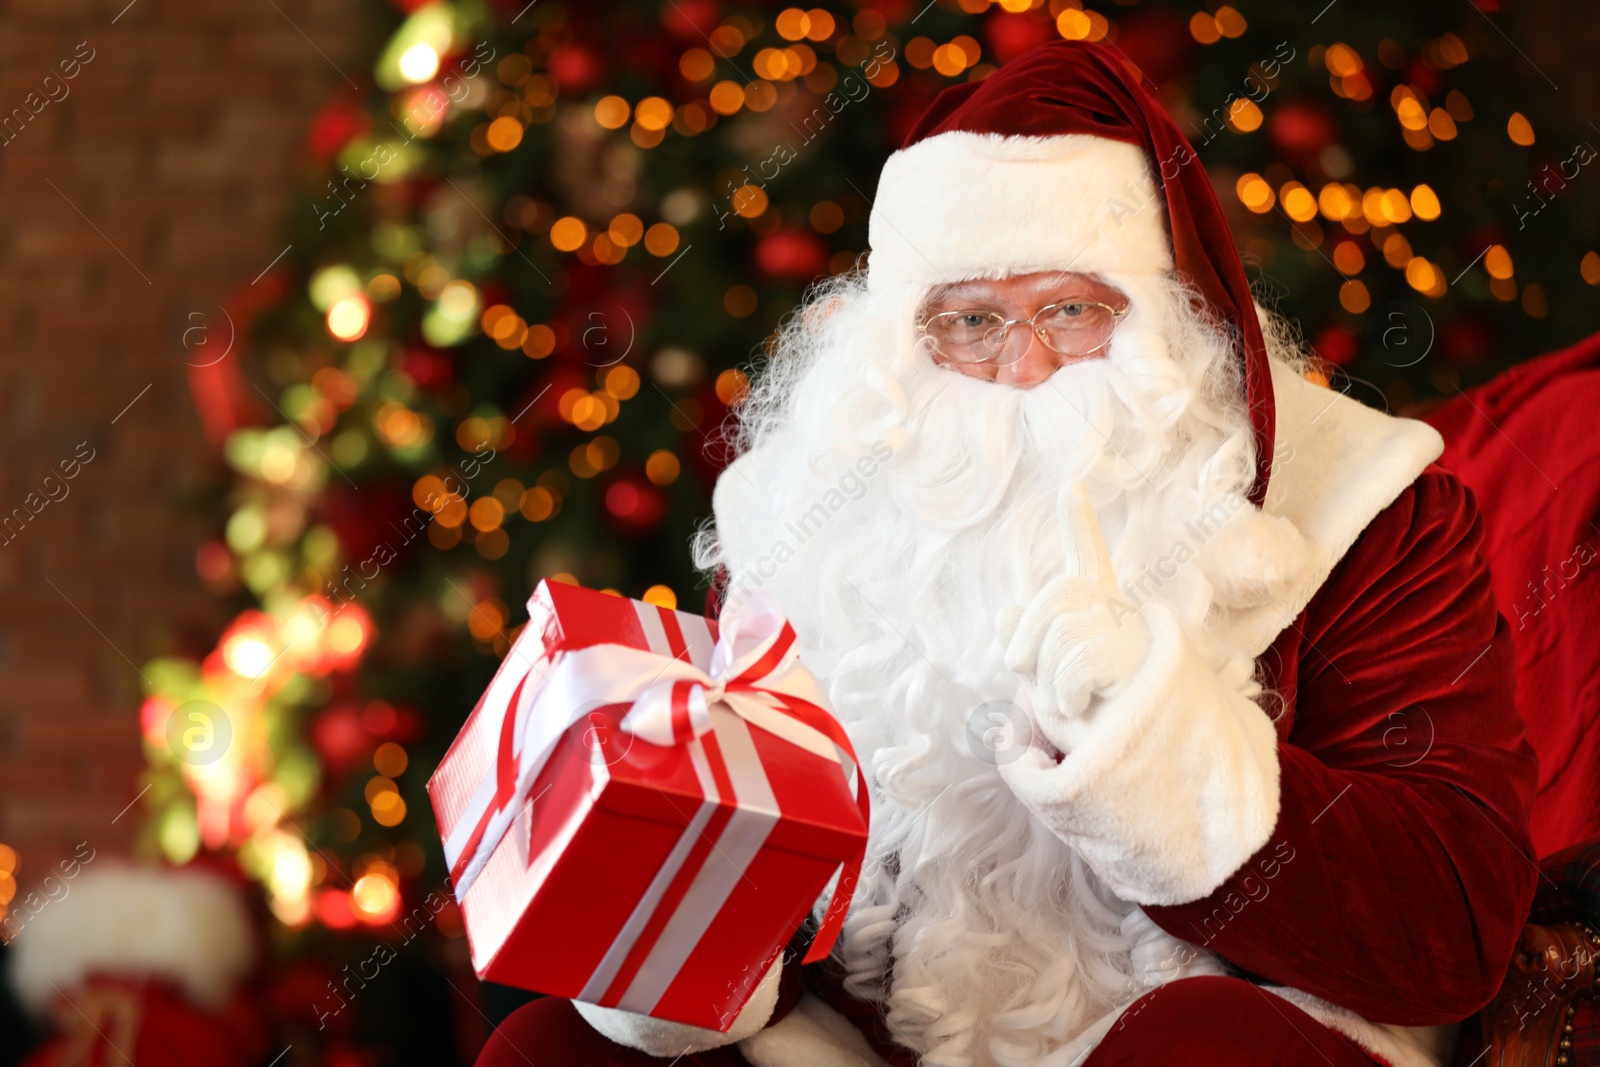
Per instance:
(967,205)
(185,925)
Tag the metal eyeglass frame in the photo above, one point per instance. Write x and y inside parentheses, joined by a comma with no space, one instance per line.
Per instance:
(1005,325)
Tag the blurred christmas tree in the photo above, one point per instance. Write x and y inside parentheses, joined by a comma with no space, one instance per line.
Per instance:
(532,256)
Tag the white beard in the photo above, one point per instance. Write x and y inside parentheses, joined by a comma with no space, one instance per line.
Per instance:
(894,508)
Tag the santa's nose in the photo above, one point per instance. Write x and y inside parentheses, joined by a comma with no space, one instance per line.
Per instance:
(1036,363)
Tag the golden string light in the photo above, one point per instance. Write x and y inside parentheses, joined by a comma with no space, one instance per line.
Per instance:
(661,596)
(1519,129)
(1255,194)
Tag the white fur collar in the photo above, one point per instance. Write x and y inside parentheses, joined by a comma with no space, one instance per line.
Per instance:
(1337,464)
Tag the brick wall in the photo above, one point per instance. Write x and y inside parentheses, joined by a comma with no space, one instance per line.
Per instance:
(149,183)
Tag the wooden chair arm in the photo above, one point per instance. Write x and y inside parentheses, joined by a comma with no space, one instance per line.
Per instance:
(1529,1023)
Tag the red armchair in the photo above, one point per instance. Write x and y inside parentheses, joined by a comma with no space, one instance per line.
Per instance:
(1526,445)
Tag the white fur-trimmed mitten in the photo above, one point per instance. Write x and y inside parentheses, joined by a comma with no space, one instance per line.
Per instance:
(1168,776)
(660,1037)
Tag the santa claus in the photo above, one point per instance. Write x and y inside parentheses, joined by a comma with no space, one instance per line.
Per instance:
(1176,676)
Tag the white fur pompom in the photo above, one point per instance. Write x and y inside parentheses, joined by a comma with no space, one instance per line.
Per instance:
(1256,558)
(186,925)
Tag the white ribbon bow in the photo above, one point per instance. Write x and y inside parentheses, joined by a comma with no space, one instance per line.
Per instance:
(754,671)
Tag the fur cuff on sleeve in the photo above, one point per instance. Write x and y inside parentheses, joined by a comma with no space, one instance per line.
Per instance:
(659,1037)
(1169,786)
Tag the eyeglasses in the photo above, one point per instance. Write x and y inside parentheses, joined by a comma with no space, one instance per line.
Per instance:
(1071,327)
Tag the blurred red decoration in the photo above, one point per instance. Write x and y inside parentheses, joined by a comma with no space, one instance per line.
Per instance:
(1424,76)
(1300,130)
(634,503)
(341,739)
(428,367)
(1466,341)
(1010,35)
(378,515)
(1337,345)
(791,255)
(213,562)
(332,908)
(379,717)
(577,67)
(340,121)
(603,314)
(216,347)
(385,722)
(691,20)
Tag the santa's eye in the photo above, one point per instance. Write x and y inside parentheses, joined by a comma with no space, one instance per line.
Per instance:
(1071,311)
(964,327)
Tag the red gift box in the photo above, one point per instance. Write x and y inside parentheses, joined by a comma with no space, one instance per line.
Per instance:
(640,815)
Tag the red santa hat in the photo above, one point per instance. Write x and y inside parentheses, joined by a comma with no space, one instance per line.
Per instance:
(169,949)
(1062,161)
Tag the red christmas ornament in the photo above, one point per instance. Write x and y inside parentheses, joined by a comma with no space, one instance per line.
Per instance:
(214,564)
(791,255)
(653,57)
(1424,77)
(691,20)
(1466,341)
(379,717)
(1300,130)
(385,722)
(493,291)
(428,367)
(635,504)
(1337,345)
(577,67)
(603,316)
(376,517)
(341,738)
(339,122)
(1010,35)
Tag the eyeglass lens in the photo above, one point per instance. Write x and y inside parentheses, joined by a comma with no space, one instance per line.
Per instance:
(1066,327)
